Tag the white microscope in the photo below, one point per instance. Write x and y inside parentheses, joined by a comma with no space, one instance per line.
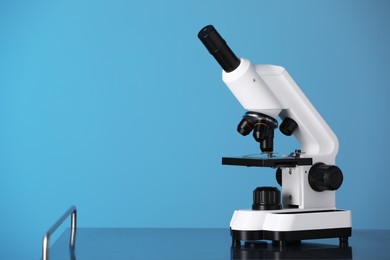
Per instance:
(308,176)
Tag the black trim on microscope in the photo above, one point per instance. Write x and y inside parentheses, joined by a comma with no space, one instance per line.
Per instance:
(267,162)
(290,236)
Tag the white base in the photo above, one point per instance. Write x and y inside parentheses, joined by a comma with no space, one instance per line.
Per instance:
(290,220)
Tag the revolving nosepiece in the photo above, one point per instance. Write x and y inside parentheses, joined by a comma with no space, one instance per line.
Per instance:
(263,129)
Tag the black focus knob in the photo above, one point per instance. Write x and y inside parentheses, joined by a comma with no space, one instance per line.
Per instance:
(266,198)
(278,176)
(325,177)
(288,126)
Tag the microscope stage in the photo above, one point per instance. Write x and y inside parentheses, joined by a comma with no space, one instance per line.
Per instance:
(274,162)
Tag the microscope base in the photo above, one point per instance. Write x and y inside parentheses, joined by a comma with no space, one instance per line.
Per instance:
(290,226)
(290,237)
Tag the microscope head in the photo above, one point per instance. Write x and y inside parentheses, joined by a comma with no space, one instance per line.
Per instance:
(263,129)
(262,125)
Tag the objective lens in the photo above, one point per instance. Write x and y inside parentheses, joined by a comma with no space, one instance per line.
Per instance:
(260,132)
(244,127)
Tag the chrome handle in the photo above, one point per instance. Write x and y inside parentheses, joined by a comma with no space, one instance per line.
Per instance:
(46,238)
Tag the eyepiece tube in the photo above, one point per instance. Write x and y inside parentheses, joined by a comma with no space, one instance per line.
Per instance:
(217,46)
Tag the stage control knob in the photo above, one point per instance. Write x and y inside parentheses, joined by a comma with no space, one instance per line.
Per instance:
(325,177)
(266,198)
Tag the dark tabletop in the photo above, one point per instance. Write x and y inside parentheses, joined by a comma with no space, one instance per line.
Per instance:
(148,243)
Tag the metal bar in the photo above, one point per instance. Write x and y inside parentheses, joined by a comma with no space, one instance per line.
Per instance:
(46,238)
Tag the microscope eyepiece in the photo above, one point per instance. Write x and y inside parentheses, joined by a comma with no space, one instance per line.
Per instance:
(217,46)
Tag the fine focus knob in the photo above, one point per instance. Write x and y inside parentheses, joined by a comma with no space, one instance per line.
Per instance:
(325,177)
(266,198)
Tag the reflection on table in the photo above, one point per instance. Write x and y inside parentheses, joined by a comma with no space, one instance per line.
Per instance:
(193,243)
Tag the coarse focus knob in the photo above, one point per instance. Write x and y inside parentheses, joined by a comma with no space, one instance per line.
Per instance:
(325,177)
(278,176)
(266,198)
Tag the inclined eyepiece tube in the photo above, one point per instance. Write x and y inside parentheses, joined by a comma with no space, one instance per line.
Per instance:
(217,46)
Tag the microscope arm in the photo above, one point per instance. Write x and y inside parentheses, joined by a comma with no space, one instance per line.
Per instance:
(270,90)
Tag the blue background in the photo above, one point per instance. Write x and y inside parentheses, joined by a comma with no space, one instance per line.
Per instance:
(116,107)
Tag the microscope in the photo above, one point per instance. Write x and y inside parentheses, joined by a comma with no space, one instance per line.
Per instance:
(306,207)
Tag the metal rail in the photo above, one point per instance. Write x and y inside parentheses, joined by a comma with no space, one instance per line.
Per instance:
(46,238)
